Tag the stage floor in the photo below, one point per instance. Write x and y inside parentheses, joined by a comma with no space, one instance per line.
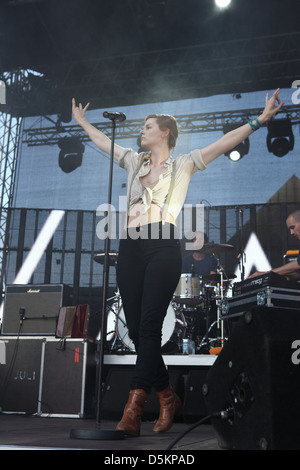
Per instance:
(23,432)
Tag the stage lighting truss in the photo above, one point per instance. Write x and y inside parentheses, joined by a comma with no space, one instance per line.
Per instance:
(70,155)
(238,152)
(280,138)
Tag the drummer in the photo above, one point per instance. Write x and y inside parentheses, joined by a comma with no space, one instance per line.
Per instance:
(198,263)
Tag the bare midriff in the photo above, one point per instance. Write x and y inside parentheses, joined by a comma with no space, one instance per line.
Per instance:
(154,214)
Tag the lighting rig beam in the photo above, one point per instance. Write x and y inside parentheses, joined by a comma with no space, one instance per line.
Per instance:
(188,124)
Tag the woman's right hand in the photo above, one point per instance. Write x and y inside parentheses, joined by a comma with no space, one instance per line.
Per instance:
(100,139)
(79,111)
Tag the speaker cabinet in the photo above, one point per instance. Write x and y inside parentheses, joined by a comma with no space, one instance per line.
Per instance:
(194,404)
(33,309)
(257,377)
(68,378)
(48,376)
(20,365)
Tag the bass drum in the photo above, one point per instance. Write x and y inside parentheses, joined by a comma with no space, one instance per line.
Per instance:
(173,330)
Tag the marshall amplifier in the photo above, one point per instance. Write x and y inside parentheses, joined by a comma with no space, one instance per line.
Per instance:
(33,309)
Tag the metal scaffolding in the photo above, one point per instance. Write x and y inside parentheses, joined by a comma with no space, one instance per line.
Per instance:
(39,134)
(9,142)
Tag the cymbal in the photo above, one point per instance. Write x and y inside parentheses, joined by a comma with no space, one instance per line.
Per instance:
(209,248)
(217,277)
(112,258)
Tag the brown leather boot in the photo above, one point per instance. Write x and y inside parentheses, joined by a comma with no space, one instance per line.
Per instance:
(170,405)
(132,416)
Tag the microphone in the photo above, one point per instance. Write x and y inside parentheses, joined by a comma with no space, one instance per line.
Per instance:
(114,116)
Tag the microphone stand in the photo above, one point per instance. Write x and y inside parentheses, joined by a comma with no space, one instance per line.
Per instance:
(220,297)
(98,433)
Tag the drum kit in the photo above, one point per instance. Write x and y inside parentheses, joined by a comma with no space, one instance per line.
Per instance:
(193,314)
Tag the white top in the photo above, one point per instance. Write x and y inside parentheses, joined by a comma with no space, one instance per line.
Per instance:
(186,166)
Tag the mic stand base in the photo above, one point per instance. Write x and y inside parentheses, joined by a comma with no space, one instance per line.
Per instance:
(97,434)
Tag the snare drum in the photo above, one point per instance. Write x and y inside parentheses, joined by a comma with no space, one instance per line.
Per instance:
(188,290)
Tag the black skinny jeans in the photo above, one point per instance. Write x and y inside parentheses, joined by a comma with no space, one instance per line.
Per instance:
(148,272)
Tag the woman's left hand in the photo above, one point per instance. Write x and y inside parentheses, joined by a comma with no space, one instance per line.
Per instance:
(273,105)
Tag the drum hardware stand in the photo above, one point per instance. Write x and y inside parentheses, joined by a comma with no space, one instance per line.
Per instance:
(181,333)
(111,309)
(219,298)
(206,310)
(242,254)
(97,433)
(206,339)
(116,301)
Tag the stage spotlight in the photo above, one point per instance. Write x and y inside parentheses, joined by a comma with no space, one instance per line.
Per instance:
(235,155)
(222,3)
(70,155)
(280,138)
(240,150)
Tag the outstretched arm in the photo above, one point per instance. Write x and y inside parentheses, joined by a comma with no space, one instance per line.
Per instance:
(100,139)
(232,139)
